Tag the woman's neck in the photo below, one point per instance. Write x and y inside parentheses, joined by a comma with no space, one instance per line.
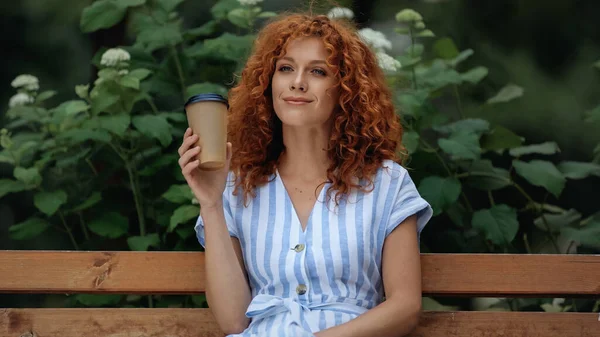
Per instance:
(305,154)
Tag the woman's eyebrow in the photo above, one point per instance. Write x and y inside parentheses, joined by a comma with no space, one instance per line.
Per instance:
(287,58)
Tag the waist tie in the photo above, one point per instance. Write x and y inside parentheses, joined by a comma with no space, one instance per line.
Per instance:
(263,306)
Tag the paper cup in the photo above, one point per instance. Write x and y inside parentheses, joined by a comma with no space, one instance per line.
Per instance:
(207,117)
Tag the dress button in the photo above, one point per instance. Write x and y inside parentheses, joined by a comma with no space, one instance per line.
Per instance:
(301,289)
(299,247)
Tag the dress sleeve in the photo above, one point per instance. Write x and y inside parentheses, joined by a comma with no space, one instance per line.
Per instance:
(229,220)
(407,202)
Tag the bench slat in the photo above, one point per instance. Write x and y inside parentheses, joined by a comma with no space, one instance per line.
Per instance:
(200,323)
(495,275)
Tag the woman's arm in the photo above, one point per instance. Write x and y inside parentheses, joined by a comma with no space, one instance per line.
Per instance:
(226,280)
(399,314)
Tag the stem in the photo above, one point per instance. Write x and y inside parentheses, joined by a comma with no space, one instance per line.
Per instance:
(552,239)
(136,198)
(83,227)
(149,100)
(87,160)
(179,72)
(62,218)
(570,245)
(491,197)
(527,247)
(459,103)
(412,55)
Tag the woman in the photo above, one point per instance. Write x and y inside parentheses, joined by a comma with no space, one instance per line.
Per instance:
(312,221)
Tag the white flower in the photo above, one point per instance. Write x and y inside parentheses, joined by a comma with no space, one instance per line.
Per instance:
(114,56)
(29,82)
(20,99)
(249,2)
(386,62)
(195,201)
(340,13)
(375,39)
(123,72)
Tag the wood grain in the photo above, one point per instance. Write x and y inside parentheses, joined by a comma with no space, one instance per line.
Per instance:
(200,323)
(496,275)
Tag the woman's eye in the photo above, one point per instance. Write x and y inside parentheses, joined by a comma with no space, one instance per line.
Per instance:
(320,72)
(285,68)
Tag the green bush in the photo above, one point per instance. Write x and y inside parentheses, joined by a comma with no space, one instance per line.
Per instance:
(102,168)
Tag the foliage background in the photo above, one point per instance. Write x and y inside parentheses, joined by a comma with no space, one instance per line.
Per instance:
(541,54)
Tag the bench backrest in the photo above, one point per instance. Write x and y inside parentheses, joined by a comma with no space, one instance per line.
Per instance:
(457,275)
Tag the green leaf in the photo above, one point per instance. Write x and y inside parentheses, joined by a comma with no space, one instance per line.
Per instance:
(142,243)
(471,125)
(578,170)
(178,194)
(103,101)
(266,15)
(92,300)
(414,50)
(465,54)
(425,33)
(6,157)
(157,36)
(71,108)
(30,176)
(239,17)
(227,47)
(593,115)
(439,192)
(200,300)
(500,138)
(461,145)
(130,3)
(130,82)
(82,135)
(101,14)
(475,75)
(484,176)
(140,73)
(116,124)
(95,198)
(437,76)
(174,116)
(541,173)
(587,236)
(206,87)
(28,229)
(206,29)
(169,5)
(507,94)
(410,139)
(185,232)
(544,148)
(557,221)
(10,186)
(182,215)
(45,95)
(597,64)
(155,127)
(445,49)
(429,304)
(222,7)
(412,103)
(499,224)
(49,202)
(110,225)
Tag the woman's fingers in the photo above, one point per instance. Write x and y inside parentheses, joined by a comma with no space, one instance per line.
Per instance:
(187,142)
(189,167)
(188,155)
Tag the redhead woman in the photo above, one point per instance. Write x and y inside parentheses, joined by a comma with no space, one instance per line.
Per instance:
(313,221)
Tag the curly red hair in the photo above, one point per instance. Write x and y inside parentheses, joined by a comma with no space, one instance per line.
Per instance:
(366,129)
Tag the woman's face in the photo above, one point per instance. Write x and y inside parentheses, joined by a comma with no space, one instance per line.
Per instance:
(303,86)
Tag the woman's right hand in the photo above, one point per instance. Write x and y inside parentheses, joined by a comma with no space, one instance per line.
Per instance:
(207,186)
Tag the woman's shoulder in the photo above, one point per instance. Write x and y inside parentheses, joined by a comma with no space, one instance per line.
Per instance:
(390,169)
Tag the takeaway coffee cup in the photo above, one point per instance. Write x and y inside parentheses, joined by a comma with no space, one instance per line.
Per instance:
(207,117)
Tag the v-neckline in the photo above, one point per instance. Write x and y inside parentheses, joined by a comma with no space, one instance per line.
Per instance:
(289,199)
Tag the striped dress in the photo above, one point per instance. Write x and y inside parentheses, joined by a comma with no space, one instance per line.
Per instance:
(306,281)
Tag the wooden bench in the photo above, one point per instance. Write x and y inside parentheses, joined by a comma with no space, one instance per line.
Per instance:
(458,275)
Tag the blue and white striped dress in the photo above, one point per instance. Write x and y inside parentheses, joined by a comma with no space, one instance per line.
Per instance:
(306,281)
